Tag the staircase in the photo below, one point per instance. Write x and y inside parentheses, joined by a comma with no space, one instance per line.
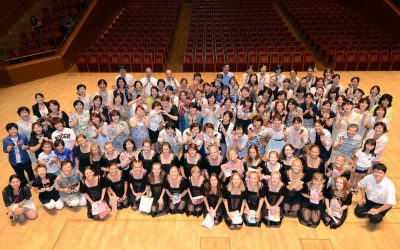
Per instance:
(11,37)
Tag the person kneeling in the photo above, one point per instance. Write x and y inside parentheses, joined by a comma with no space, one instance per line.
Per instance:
(18,200)
(44,186)
(378,195)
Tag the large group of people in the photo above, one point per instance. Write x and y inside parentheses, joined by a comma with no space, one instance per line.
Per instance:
(251,149)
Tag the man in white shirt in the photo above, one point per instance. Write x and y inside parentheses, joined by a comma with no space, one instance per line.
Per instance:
(378,195)
(128,77)
(148,81)
(65,134)
(227,74)
(170,80)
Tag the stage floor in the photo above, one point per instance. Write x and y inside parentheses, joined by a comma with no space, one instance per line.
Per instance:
(70,229)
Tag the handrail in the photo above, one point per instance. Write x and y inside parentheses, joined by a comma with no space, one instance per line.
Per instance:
(393,6)
(9,13)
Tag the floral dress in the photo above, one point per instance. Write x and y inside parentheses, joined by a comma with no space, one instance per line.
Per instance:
(82,119)
(123,129)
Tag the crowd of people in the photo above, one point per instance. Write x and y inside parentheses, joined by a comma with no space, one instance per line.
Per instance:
(251,149)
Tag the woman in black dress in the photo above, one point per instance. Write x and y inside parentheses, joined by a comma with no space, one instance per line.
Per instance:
(117,183)
(157,191)
(312,163)
(196,189)
(253,161)
(38,136)
(189,160)
(82,153)
(167,158)
(336,169)
(274,195)
(337,201)
(287,156)
(169,111)
(212,163)
(147,156)
(294,181)
(176,188)
(313,200)
(254,195)
(110,156)
(54,108)
(97,161)
(44,186)
(139,184)
(213,198)
(94,188)
(234,201)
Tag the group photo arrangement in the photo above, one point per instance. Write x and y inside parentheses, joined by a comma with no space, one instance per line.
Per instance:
(248,148)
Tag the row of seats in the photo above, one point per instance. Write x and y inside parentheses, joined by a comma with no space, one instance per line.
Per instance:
(43,42)
(237,35)
(96,62)
(337,28)
(363,60)
(139,37)
(242,61)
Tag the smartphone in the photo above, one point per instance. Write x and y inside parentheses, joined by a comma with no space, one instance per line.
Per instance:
(301,131)
(284,128)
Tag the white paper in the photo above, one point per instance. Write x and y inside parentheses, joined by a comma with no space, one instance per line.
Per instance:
(145,204)
(208,222)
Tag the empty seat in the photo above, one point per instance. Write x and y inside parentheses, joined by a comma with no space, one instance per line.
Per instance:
(158,63)
(187,62)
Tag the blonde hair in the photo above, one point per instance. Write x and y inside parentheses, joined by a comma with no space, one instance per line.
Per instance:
(195,169)
(229,187)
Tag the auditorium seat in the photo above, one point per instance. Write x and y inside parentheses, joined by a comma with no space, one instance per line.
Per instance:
(158,63)
(362,60)
(339,61)
(395,58)
(93,63)
(188,62)
(82,63)
(384,56)
(137,62)
(351,60)
(373,60)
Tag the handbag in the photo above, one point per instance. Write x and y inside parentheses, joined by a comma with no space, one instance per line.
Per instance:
(145,204)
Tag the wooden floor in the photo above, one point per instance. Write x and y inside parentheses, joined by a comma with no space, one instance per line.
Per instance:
(69,228)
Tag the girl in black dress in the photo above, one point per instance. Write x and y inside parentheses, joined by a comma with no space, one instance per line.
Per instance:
(117,184)
(128,155)
(213,198)
(287,156)
(97,161)
(336,169)
(337,201)
(312,163)
(275,193)
(44,186)
(110,156)
(253,161)
(189,160)
(157,191)
(139,184)
(294,181)
(313,200)
(94,188)
(272,165)
(82,153)
(254,195)
(147,156)
(167,158)
(234,201)
(212,163)
(196,189)
(176,188)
